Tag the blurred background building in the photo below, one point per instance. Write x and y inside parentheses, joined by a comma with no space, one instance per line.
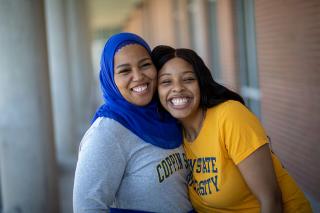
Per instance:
(267,50)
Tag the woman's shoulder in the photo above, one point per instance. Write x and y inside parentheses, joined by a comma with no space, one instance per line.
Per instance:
(107,126)
(231,105)
(228,107)
(233,113)
(105,132)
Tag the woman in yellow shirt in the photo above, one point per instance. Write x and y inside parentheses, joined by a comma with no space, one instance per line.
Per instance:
(226,147)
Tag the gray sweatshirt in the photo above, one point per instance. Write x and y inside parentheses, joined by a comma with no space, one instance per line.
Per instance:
(117,169)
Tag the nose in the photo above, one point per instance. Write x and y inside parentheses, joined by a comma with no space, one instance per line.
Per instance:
(137,75)
(177,87)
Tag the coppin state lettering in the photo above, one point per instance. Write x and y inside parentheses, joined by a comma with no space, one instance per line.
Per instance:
(203,165)
(171,164)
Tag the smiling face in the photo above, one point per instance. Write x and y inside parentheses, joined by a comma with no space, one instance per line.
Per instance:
(178,89)
(134,74)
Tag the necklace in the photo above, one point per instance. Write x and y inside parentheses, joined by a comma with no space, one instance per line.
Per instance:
(191,137)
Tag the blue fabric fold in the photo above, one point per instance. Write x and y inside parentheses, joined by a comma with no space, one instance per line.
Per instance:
(144,121)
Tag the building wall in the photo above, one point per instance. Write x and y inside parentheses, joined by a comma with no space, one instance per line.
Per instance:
(199,28)
(182,24)
(147,20)
(288,43)
(134,23)
(227,42)
(154,21)
(162,26)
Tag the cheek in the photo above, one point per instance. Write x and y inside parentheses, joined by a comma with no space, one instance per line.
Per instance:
(196,90)
(198,95)
(153,75)
(117,81)
(121,82)
(162,95)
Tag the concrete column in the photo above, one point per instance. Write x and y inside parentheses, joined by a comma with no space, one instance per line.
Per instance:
(147,21)
(162,18)
(227,43)
(134,23)
(60,79)
(28,169)
(201,24)
(182,30)
(80,65)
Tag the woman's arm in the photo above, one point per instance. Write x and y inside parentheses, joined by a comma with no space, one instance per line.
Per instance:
(258,172)
(99,172)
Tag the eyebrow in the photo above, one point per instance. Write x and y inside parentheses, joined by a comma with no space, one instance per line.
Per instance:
(122,65)
(185,72)
(144,59)
(188,71)
(126,65)
(164,74)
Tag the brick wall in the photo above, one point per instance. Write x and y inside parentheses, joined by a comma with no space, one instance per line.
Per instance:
(288,43)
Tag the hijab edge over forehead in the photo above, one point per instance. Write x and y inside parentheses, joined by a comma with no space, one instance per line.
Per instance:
(112,46)
(144,121)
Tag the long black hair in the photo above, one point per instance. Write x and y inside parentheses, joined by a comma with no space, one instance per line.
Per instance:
(211,92)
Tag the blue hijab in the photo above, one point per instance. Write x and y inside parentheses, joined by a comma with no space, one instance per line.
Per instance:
(144,121)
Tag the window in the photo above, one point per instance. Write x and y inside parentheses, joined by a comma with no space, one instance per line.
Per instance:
(214,40)
(247,54)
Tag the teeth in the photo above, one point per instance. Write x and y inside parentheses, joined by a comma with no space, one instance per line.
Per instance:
(179,101)
(140,88)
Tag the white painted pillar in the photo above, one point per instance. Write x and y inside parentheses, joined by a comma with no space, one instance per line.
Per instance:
(80,65)
(28,167)
(60,79)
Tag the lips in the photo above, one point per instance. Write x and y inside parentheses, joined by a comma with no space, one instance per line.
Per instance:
(179,102)
(140,89)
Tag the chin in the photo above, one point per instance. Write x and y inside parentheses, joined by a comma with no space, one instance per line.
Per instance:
(142,102)
(178,115)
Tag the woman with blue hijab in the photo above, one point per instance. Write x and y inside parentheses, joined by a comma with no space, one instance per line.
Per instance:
(131,156)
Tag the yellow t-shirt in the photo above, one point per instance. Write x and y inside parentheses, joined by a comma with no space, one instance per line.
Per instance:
(229,134)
